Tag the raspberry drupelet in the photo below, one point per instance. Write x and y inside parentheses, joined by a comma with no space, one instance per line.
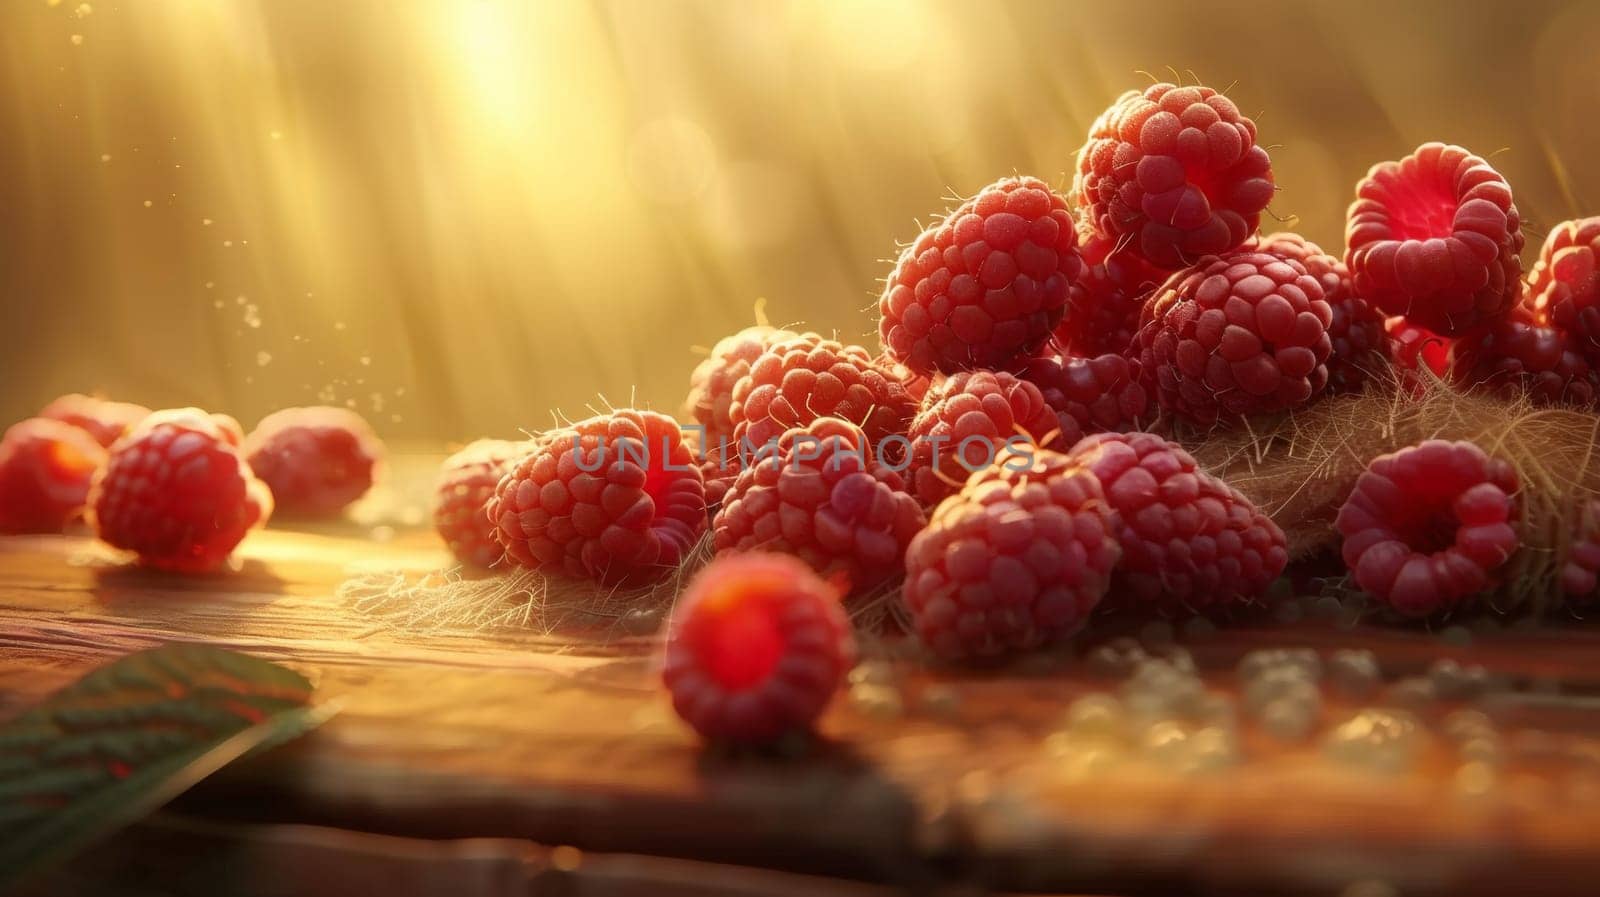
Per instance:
(968,422)
(616,499)
(45,469)
(1428,526)
(758,645)
(1103,308)
(1413,348)
(1190,542)
(711,384)
(1517,356)
(1360,346)
(467,481)
(1435,238)
(1239,334)
(103,419)
(316,460)
(985,285)
(176,491)
(1564,286)
(820,494)
(1176,171)
(1017,559)
(799,380)
(1090,395)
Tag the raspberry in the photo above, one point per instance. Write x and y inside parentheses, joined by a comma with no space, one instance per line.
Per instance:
(1435,237)
(1360,346)
(1564,287)
(615,498)
(1090,395)
(1189,540)
(711,383)
(1017,559)
(467,481)
(819,494)
(967,424)
(1103,308)
(45,468)
(758,646)
(986,284)
(1175,170)
(105,420)
(1515,356)
(1580,575)
(317,460)
(799,380)
(177,492)
(1244,333)
(1410,346)
(1427,526)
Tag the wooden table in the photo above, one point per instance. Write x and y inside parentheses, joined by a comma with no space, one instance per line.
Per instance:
(514,762)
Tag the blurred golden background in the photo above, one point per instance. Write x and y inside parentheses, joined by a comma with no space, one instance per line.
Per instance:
(455,216)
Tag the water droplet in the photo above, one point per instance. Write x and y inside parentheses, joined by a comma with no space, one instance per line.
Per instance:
(263,358)
(366,360)
(205,222)
(83,11)
(227,243)
(252,316)
(105,157)
(148,203)
(77,40)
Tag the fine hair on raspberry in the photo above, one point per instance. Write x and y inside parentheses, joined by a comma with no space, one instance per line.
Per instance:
(967,423)
(710,399)
(809,377)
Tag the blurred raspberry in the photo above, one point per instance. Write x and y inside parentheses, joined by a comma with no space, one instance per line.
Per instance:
(758,646)
(1360,344)
(968,422)
(615,498)
(316,460)
(1435,238)
(1015,560)
(1091,395)
(1239,334)
(45,468)
(819,494)
(1411,346)
(986,284)
(105,420)
(176,491)
(1189,540)
(1515,356)
(799,380)
(467,481)
(711,383)
(1177,171)
(1564,287)
(1103,308)
(1580,574)
(1428,526)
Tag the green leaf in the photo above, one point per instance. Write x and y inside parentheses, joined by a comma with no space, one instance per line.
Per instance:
(129,737)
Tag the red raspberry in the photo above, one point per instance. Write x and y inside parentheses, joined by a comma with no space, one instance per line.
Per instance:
(105,420)
(800,380)
(967,424)
(45,468)
(176,491)
(616,498)
(1091,395)
(711,384)
(1103,308)
(986,284)
(1244,333)
(1410,346)
(1360,345)
(1564,288)
(820,494)
(1516,356)
(1177,171)
(1580,575)
(1435,237)
(1017,559)
(467,481)
(317,460)
(1427,526)
(758,645)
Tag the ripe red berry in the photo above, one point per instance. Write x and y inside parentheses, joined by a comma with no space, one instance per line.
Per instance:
(1580,574)
(1189,540)
(986,284)
(968,422)
(1427,527)
(1103,308)
(1090,395)
(1175,170)
(177,492)
(105,420)
(1360,346)
(1517,356)
(467,481)
(1413,348)
(1238,334)
(711,384)
(1564,287)
(316,460)
(615,498)
(799,380)
(1015,560)
(758,645)
(820,494)
(1435,238)
(45,468)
